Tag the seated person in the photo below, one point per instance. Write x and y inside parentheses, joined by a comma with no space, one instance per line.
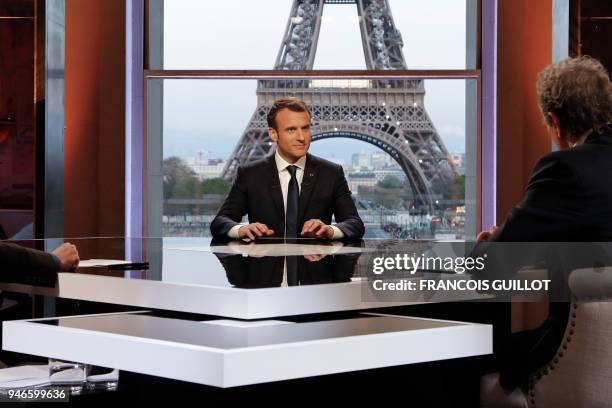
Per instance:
(568,197)
(290,194)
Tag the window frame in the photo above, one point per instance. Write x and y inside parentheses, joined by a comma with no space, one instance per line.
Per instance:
(483,53)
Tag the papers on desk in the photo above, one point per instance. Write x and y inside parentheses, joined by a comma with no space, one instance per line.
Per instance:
(117,264)
(24,376)
(96,263)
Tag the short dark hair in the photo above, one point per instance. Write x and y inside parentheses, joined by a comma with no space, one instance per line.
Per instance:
(578,91)
(292,103)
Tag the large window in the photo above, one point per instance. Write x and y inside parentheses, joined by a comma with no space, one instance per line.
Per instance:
(246,34)
(407,140)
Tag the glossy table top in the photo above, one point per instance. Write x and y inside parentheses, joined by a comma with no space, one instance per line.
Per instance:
(230,278)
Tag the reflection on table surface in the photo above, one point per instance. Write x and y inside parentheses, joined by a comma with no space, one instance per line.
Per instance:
(233,279)
(227,263)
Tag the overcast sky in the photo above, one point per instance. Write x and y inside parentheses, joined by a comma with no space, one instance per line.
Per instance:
(246,34)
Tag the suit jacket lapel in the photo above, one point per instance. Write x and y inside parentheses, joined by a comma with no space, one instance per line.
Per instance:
(276,194)
(308,182)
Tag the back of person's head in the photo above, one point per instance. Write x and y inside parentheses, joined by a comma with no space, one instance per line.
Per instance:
(578,91)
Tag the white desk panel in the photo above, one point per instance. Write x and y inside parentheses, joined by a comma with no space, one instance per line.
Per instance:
(228,356)
(226,301)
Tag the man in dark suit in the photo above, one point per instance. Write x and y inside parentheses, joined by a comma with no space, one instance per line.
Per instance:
(292,193)
(569,195)
(24,265)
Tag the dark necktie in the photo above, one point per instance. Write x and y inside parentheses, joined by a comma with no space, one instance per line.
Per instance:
(293,195)
(292,270)
(291,224)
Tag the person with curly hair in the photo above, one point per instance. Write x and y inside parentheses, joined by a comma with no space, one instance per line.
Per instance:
(568,197)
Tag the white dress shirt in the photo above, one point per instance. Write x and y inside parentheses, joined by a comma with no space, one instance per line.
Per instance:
(285,177)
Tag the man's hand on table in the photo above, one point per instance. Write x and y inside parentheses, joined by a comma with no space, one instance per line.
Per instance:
(68,256)
(254,231)
(317,229)
(485,235)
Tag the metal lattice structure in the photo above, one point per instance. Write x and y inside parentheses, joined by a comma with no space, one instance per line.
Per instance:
(389,114)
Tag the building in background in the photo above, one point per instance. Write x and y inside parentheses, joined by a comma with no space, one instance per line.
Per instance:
(356,179)
(205,167)
(458,159)
(360,161)
(380,160)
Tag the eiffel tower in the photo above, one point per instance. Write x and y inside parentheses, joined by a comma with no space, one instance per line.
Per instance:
(389,114)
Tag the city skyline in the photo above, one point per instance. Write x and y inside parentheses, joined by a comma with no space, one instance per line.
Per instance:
(207,165)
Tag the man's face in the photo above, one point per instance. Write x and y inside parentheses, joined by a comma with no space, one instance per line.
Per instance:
(292,134)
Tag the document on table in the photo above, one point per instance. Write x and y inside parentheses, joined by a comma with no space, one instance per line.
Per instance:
(94,263)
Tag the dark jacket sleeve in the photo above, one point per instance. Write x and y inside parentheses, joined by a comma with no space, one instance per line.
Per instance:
(233,209)
(551,207)
(345,213)
(549,211)
(25,265)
